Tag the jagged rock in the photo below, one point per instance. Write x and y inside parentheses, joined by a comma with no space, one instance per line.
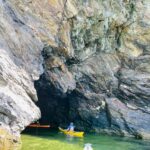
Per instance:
(106,49)
(20,65)
(96,54)
(128,120)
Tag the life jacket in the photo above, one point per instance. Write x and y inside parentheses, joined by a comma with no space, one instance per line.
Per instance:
(71,128)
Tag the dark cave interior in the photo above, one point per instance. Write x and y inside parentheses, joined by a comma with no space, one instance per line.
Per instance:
(53,105)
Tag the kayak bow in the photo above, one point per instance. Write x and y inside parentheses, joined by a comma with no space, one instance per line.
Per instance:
(72,133)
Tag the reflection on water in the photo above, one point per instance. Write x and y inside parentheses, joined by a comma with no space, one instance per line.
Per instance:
(50,140)
(69,138)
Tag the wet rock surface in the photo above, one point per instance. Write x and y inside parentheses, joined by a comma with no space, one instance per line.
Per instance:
(95,56)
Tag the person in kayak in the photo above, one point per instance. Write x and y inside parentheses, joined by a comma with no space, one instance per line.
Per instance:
(71,127)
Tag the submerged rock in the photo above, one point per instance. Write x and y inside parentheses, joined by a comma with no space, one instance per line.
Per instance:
(95,57)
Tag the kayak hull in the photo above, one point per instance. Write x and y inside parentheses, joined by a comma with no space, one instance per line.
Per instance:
(38,126)
(72,133)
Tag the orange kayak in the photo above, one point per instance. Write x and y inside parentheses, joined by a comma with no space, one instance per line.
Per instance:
(38,126)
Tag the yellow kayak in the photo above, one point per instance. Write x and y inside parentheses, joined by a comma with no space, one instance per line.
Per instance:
(72,133)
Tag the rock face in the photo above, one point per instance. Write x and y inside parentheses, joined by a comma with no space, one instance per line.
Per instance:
(98,74)
(20,65)
(96,64)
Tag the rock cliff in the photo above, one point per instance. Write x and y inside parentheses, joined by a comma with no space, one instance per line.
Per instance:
(93,57)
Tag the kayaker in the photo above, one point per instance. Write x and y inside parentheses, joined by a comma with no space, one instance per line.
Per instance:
(71,127)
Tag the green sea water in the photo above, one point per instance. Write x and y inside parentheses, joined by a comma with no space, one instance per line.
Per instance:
(52,140)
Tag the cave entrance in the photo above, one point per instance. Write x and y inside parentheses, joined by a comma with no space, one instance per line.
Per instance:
(54,106)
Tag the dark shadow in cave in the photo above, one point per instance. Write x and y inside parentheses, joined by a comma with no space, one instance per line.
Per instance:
(53,105)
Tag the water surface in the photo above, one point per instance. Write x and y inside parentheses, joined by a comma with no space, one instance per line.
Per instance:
(52,140)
